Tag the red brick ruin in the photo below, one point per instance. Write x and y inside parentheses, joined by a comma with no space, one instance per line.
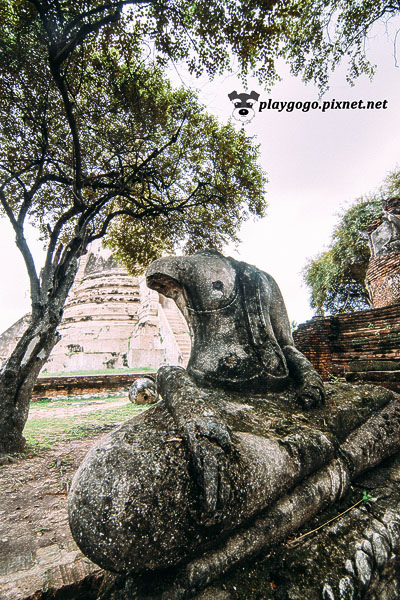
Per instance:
(364,346)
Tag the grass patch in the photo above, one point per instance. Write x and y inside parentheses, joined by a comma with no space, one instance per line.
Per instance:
(58,402)
(42,433)
(122,371)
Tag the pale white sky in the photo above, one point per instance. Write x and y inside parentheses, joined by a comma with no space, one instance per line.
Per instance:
(316,164)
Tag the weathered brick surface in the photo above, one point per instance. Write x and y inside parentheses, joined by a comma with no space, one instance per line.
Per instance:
(383,275)
(365,341)
(383,279)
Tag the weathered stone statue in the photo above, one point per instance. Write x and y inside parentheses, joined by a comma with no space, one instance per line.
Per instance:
(386,238)
(143,391)
(239,325)
(244,448)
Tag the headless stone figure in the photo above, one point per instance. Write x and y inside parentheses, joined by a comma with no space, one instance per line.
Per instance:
(228,462)
(386,238)
(241,337)
(241,341)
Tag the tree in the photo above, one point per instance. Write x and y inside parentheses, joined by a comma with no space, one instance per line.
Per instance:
(92,132)
(336,278)
(312,36)
(318,34)
(230,190)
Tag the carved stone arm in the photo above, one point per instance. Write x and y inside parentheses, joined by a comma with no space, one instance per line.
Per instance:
(206,435)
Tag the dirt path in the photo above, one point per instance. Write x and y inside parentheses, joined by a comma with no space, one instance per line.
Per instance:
(37,551)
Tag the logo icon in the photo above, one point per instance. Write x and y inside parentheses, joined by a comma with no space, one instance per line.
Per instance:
(243,104)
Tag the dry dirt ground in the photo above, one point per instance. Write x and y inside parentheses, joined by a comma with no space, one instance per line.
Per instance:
(37,553)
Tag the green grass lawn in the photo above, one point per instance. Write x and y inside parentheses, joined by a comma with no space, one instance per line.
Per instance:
(59,402)
(43,432)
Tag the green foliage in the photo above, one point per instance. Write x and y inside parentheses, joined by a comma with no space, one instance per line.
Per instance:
(92,131)
(218,171)
(42,432)
(64,401)
(312,36)
(121,370)
(367,498)
(336,278)
(318,35)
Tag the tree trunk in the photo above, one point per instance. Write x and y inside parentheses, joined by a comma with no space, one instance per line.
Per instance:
(18,376)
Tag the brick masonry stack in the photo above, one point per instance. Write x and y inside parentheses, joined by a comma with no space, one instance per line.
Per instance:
(315,339)
(383,279)
(383,274)
(361,347)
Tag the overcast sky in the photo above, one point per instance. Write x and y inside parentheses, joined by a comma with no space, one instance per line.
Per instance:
(316,164)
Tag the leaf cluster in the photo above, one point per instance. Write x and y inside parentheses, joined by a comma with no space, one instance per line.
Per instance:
(336,278)
(223,185)
(251,36)
(320,34)
(312,36)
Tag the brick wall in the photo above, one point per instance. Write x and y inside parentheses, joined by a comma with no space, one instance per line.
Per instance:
(383,279)
(362,346)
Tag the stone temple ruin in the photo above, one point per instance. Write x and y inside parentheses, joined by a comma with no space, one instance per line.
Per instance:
(111,320)
(364,346)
